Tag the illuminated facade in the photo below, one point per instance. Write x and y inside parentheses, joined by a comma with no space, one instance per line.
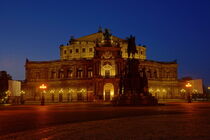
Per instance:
(89,69)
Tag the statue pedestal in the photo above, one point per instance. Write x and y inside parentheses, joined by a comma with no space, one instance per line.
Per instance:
(134,100)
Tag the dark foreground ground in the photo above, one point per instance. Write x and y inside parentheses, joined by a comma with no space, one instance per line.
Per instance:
(102,121)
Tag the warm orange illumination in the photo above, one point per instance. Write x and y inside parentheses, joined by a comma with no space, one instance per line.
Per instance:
(43,86)
(164,90)
(61,90)
(22,92)
(188,85)
(208,87)
(183,90)
(195,91)
(151,90)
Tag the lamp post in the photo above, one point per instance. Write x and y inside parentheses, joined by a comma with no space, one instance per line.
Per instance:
(42,87)
(6,98)
(188,86)
(208,92)
(22,101)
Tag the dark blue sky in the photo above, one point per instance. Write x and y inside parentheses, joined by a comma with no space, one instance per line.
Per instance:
(172,29)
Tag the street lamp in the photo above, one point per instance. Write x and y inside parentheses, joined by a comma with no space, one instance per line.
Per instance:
(208,92)
(22,97)
(42,87)
(188,86)
(8,93)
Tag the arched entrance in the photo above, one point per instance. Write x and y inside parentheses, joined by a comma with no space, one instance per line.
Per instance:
(108,92)
(60,97)
(53,97)
(68,97)
(80,96)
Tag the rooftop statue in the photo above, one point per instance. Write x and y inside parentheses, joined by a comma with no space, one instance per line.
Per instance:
(107,34)
(71,39)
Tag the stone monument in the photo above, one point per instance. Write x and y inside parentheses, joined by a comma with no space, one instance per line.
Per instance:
(133,82)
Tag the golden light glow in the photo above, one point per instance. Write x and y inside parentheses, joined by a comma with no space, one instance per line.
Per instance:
(61,90)
(112,94)
(195,91)
(52,91)
(208,87)
(108,87)
(8,93)
(183,90)
(164,91)
(188,85)
(22,92)
(151,90)
(71,90)
(82,90)
(43,86)
(110,68)
(158,90)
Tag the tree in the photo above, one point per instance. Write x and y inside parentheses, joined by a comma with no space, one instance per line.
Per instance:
(4,77)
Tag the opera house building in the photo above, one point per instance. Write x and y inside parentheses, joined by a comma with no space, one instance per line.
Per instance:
(89,69)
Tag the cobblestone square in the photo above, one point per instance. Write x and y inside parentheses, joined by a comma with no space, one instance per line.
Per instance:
(103,121)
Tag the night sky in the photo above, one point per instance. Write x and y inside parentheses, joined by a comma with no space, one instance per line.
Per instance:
(171,29)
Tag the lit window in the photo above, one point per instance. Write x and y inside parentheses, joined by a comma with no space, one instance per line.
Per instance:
(61,73)
(70,73)
(80,73)
(90,72)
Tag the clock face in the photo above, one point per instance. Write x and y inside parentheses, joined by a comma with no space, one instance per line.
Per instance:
(107,55)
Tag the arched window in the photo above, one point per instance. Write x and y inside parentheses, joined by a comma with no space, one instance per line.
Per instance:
(70,73)
(53,75)
(90,72)
(79,73)
(149,74)
(77,50)
(155,74)
(64,52)
(61,73)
